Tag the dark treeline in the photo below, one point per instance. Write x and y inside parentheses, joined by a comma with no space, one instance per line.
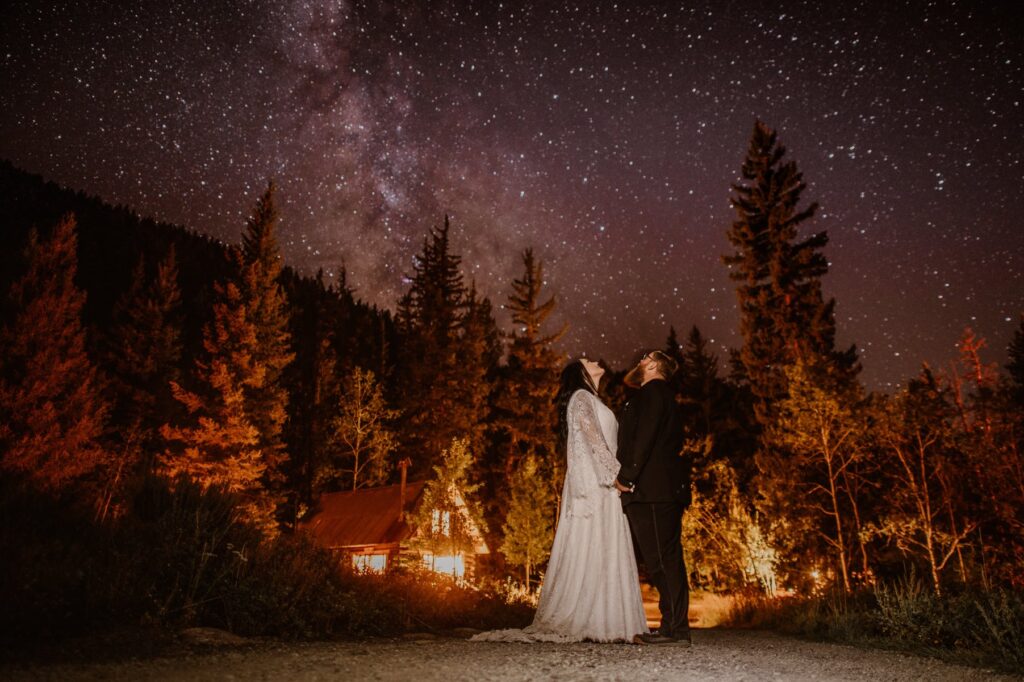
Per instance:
(134,349)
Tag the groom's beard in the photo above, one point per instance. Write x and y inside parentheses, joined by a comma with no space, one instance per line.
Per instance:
(634,378)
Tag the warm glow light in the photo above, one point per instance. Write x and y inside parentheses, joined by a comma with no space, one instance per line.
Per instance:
(370,563)
(446,564)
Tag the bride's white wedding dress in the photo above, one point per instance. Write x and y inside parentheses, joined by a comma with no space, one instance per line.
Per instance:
(591,590)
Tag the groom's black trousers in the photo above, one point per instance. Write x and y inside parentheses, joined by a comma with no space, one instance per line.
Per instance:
(657,529)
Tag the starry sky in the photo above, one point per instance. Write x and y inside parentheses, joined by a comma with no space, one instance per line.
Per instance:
(604,135)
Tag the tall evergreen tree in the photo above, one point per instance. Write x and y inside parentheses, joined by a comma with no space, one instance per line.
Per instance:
(52,411)
(430,322)
(675,351)
(218,445)
(145,350)
(784,317)
(265,394)
(479,351)
(525,418)
(314,385)
(530,381)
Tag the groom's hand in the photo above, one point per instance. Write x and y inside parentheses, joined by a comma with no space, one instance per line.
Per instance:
(621,488)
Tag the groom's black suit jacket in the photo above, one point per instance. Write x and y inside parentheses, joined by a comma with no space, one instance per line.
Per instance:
(650,441)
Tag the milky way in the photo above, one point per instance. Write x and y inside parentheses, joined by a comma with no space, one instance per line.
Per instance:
(604,136)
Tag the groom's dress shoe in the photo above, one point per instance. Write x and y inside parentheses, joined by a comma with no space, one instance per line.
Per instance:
(658,638)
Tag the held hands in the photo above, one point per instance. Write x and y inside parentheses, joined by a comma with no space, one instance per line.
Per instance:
(622,488)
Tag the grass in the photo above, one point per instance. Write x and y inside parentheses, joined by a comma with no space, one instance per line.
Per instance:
(973,627)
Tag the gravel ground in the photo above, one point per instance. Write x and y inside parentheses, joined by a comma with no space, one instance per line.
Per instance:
(715,655)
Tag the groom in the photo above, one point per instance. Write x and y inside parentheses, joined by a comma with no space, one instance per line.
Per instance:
(655,484)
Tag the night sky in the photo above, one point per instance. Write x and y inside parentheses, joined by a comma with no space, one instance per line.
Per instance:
(605,136)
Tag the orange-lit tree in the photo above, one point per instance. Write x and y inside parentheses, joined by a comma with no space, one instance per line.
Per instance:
(266,398)
(218,445)
(726,549)
(924,511)
(52,411)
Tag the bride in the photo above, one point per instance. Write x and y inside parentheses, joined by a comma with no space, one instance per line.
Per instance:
(591,590)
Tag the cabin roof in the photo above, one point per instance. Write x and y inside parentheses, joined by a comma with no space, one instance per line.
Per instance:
(369,516)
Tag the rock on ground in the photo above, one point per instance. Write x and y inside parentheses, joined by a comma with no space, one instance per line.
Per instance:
(715,655)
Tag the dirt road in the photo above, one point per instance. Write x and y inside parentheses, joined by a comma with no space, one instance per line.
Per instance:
(715,655)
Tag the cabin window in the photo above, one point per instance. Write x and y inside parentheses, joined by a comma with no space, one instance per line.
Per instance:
(441,523)
(370,563)
(445,564)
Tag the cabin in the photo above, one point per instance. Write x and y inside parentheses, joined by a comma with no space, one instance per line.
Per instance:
(370,529)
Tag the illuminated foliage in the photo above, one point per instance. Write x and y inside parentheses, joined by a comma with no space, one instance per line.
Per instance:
(528,530)
(219,446)
(266,399)
(52,411)
(446,517)
(807,470)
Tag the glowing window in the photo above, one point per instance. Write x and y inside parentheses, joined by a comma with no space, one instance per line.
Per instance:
(441,522)
(370,563)
(450,565)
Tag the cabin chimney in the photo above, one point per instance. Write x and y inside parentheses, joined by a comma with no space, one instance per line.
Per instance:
(404,466)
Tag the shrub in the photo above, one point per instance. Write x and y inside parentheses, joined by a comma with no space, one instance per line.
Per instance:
(182,557)
(1002,637)
(973,627)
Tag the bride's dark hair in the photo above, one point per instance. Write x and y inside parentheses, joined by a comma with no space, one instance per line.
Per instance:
(574,378)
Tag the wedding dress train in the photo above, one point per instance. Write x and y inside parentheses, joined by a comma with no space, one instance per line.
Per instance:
(591,590)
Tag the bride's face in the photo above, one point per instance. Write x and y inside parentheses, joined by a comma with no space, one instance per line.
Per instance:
(592,368)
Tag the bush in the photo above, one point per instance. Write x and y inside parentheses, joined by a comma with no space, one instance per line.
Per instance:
(973,627)
(181,557)
(1002,637)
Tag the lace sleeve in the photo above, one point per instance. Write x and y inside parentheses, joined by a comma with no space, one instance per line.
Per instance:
(583,417)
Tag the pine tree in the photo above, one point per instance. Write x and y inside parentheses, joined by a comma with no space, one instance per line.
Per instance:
(145,349)
(530,381)
(525,418)
(432,373)
(478,351)
(675,351)
(701,389)
(314,385)
(219,446)
(784,317)
(362,434)
(528,527)
(266,398)
(52,411)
